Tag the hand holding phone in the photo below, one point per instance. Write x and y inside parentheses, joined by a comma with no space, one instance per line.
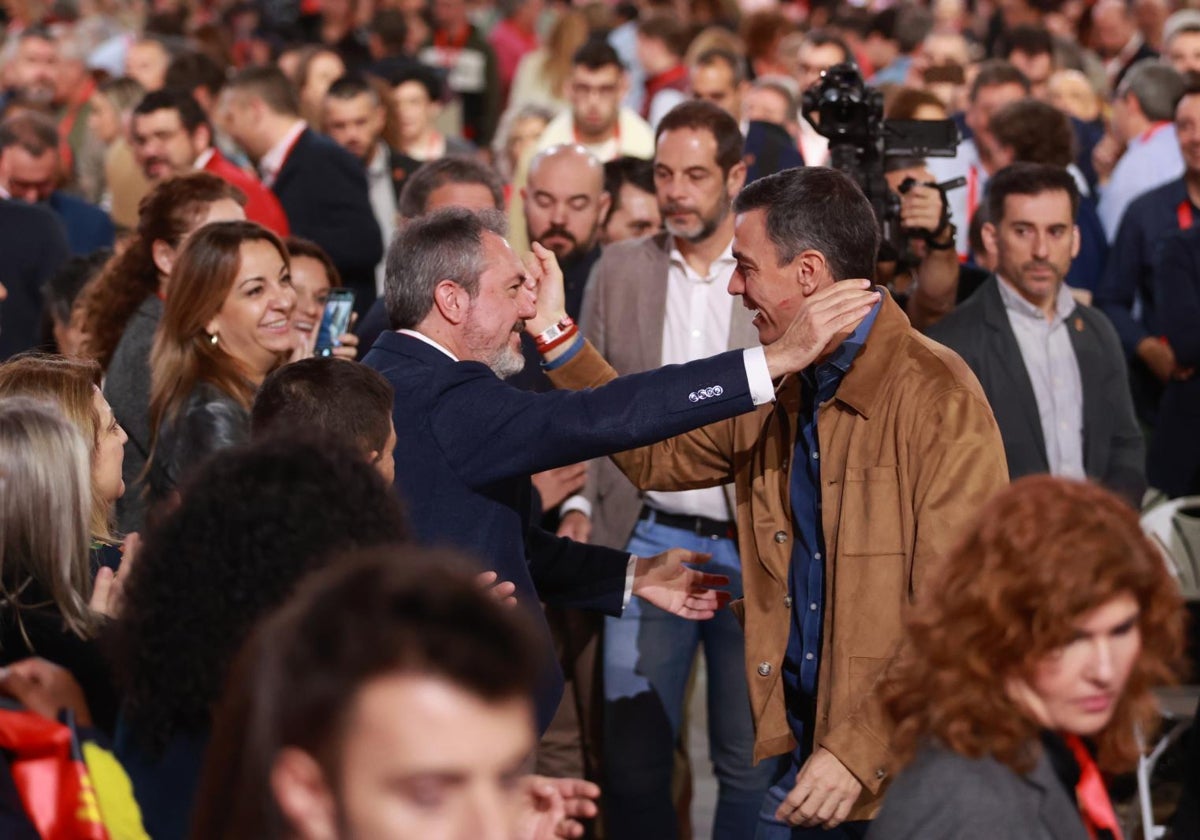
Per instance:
(335,321)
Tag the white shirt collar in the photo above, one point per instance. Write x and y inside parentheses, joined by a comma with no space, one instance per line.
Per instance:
(274,159)
(725,258)
(379,161)
(205,157)
(1064,302)
(429,341)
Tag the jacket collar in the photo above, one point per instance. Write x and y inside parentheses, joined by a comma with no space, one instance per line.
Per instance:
(860,389)
(401,344)
(1057,811)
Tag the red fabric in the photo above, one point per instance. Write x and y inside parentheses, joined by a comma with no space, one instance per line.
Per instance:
(1094,805)
(510,43)
(674,79)
(261,204)
(51,779)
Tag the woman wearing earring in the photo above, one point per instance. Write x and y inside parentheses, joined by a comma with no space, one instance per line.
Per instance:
(1025,678)
(225,326)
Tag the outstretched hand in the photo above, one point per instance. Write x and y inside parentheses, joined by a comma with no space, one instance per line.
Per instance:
(554,807)
(834,309)
(666,582)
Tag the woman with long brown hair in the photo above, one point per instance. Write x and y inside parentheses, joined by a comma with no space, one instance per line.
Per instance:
(123,305)
(225,326)
(1027,675)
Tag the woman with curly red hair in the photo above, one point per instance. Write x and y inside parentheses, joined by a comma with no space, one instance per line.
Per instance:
(1025,675)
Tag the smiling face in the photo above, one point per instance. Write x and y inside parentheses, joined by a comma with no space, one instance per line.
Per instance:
(770,290)
(1034,244)
(312,286)
(1075,689)
(254,322)
(693,192)
(496,316)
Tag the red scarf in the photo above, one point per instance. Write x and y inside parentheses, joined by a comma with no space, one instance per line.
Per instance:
(1092,797)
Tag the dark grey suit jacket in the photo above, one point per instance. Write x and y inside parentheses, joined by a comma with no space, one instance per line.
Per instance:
(1114,453)
(946,796)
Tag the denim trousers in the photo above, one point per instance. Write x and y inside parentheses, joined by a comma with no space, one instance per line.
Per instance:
(648,655)
(770,828)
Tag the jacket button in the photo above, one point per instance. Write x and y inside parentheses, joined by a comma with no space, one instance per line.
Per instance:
(780,537)
(764,669)
(880,773)
(787,601)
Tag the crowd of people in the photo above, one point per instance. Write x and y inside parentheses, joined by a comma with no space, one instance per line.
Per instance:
(654,354)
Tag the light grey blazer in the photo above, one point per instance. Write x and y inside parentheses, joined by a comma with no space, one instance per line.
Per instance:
(943,795)
(624,308)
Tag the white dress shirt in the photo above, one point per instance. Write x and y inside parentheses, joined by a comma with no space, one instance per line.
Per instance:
(273,160)
(382,194)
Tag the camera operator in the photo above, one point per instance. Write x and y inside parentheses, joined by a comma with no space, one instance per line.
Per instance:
(924,278)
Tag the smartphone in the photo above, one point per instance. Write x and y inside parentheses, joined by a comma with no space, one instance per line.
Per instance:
(335,321)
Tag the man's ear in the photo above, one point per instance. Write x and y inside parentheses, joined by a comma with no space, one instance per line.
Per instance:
(736,178)
(451,301)
(163,255)
(202,139)
(602,205)
(810,270)
(303,796)
(988,234)
(1075,241)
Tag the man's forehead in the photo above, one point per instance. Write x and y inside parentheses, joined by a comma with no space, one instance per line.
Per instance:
(566,174)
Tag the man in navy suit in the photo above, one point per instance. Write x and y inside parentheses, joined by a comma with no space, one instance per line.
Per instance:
(468,441)
(29,171)
(32,247)
(322,187)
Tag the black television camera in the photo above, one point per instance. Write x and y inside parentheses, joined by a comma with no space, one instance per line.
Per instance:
(860,139)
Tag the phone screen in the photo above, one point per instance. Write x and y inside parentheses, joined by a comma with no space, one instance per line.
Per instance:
(335,321)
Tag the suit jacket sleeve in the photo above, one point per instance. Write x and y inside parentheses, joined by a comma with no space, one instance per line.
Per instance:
(956,463)
(1118,285)
(530,432)
(346,226)
(1178,297)
(572,574)
(700,458)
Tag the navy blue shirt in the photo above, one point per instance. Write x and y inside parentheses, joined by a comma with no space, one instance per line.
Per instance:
(806,578)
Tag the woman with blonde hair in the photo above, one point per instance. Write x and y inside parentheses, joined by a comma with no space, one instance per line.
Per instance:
(225,326)
(49,606)
(541,77)
(1028,675)
(74,387)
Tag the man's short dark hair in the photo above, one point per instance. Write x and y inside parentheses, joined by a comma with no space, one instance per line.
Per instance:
(192,69)
(819,209)
(668,29)
(995,72)
(444,245)
(389,26)
(329,397)
(825,38)
(596,54)
(720,55)
(350,86)
(1030,40)
(453,169)
(369,615)
(1036,131)
(705,116)
(35,133)
(913,25)
(181,101)
(636,172)
(1028,179)
(426,77)
(271,86)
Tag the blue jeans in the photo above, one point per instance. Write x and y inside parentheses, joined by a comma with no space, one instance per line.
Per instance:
(770,828)
(648,655)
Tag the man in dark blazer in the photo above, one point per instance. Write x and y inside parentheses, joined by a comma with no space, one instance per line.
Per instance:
(1053,370)
(32,247)
(468,441)
(321,186)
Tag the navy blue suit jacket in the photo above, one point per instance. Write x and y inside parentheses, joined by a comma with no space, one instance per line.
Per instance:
(1174,463)
(88,227)
(323,190)
(32,247)
(468,441)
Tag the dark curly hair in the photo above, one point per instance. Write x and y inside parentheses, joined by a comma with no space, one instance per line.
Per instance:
(252,522)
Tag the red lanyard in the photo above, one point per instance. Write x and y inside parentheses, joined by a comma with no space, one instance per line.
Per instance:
(1184,214)
(1152,130)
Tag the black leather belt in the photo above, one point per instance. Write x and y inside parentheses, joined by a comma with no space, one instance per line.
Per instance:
(700,525)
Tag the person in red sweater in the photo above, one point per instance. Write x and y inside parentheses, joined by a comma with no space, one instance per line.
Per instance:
(171,135)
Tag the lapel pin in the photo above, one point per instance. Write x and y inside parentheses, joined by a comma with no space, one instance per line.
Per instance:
(1078,324)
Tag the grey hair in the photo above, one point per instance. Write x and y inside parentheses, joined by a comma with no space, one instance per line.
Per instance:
(508,120)
(818,209)
(444,245)
(45,505)
(1157,87)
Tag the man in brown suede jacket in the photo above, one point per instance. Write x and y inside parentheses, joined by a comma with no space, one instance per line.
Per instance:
(851,487)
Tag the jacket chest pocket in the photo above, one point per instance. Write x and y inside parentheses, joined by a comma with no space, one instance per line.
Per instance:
(870,520)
